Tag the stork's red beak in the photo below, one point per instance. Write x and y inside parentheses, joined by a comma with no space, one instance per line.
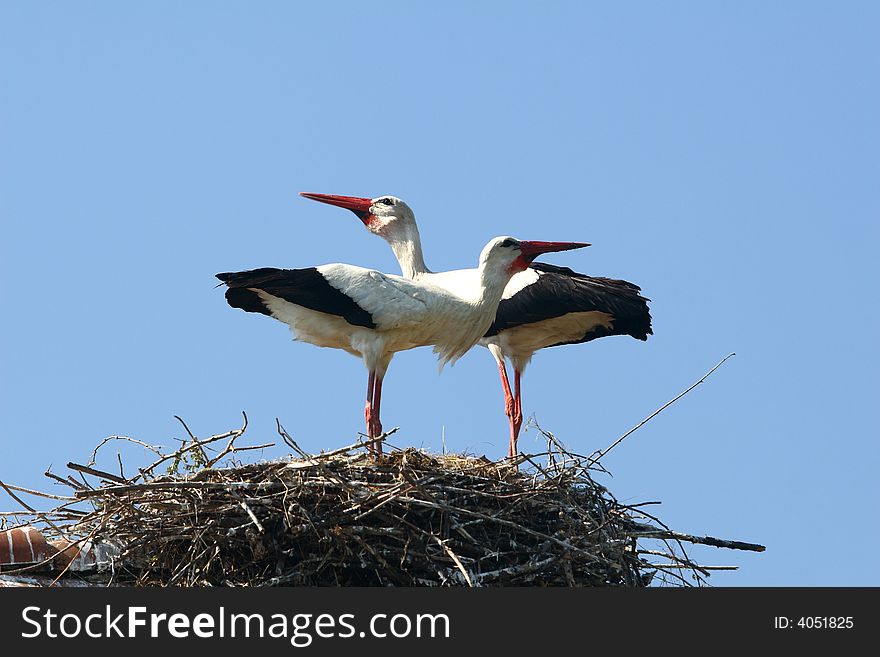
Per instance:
(531,250)
(360,206)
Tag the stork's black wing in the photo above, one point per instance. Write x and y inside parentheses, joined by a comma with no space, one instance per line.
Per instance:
(304,287)
(560,291)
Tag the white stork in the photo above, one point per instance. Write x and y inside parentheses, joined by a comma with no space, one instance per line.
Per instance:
(372,315)
(542,306)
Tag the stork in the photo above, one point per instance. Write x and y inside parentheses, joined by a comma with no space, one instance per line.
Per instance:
(372,315)
(542,306)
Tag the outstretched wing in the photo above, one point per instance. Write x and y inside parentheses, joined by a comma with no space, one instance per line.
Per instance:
(362,297)
(304,287)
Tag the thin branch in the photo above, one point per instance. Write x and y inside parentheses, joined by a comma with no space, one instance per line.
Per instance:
(596,456)
(235,433)
(96,473)
(688,566)
(515,571)
(648,531)
(43,517)
(193,438)
(62,480)
(455,558)
(108,439)
(37,493)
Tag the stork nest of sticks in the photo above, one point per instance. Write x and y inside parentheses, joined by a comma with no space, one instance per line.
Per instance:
(343,518)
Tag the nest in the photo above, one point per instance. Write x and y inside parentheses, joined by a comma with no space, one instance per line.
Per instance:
(343,518)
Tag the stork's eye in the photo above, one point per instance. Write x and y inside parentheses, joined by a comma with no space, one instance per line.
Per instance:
(386,201)
(508,242)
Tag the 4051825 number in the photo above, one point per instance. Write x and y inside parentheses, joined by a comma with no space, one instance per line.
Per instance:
(824,622)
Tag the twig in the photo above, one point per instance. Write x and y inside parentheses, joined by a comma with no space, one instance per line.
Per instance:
(178,485)
(253,517)
(455,558)
(515,571)
(235,433)
(233,449)
(292,444)
(96,473)
(353,446)
(62,480)
(597,456)
(108,439)
(688,566)
(192,438)
(9,487)
(43,517)
(647,531)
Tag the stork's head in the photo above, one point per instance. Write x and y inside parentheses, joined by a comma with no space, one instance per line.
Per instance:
(383,215)
(511,255)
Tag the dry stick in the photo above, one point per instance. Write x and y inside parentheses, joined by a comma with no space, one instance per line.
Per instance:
(38,493)
(96,473)
(659,553)
(353,446)
(235,433)
(684,561)
(365,443)
(570,457)
(256,521)
(62,480)
(231,449)
(179,485)
(321,466)
(455,558)
(192,437)
(106,440)
(663,566)
(77,485)
(42,516)
(513,571)
(639,505)
(53,512)
(598,455)
(647,531)
(671,573)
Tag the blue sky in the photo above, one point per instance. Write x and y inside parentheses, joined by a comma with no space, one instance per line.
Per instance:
(724,156)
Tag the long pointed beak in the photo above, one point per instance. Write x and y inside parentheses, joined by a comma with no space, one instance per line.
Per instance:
(531,250)
(360,206)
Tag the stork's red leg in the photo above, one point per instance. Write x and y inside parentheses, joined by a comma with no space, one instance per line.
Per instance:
(517,410)
(368,410)
(509,407)
(376,425)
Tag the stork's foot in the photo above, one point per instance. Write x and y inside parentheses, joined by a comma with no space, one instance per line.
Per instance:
(375,432)
(374,429)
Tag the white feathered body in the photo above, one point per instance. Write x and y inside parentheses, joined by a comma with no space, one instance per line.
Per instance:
(519,343)
(407,314)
